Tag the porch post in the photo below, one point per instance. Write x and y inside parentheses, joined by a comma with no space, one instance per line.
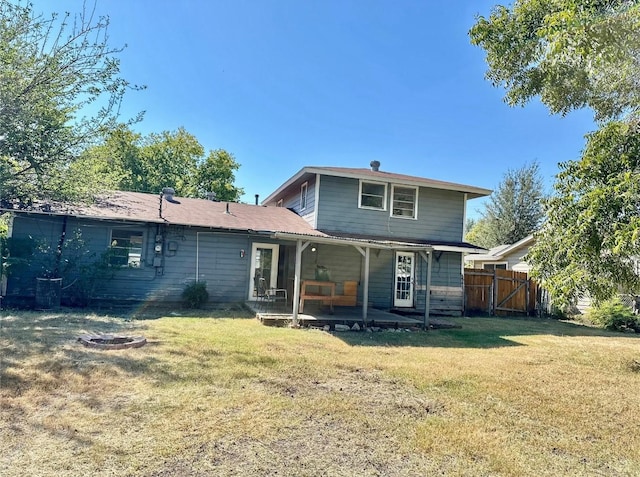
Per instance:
(427,298)
(365,289)
(296,282)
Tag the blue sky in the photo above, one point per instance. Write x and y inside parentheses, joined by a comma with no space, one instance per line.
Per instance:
(286,83)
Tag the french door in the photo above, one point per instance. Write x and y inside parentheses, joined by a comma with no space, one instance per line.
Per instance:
(403,290)
(264,264)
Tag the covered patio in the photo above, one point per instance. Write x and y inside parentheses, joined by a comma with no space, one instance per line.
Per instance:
(344,297)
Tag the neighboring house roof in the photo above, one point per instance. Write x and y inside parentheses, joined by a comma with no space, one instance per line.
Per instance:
(363,173)
(141,207)
(502,251)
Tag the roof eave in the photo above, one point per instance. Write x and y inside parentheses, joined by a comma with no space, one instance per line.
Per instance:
(292,180)
(380,244)
(84,216)
(471,191)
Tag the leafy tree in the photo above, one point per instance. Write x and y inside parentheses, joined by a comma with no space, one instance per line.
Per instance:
(216,174)
(170,159)
(569,53)
(574,55)
(113,164)
(52,69)
(591,239)
(130,161)
(514,209)
(477,233)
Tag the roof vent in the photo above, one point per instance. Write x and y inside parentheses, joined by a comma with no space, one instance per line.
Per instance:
(168,193)
(375,166)
(211,196)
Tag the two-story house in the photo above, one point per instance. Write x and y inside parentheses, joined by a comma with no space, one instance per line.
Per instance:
(398,238)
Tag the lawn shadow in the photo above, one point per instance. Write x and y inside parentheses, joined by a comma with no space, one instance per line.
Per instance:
(48,343)
(42,360)
(477,332)
(154,311)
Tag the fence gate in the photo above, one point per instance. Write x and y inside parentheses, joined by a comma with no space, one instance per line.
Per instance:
(499,292)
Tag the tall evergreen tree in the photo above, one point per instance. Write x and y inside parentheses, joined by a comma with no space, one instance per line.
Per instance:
(513,211)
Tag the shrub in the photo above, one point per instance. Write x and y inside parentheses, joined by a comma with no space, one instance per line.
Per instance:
(195,294)
(614,315)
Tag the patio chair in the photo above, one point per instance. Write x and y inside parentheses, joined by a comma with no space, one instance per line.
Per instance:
(268,297)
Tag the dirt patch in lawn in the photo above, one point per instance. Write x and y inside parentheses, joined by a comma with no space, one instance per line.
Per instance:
(336,426)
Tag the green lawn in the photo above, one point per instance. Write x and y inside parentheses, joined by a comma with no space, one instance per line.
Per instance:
(228,396)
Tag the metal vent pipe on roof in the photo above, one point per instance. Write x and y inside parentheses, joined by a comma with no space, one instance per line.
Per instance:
(168,193)
(257,198)
(375,166)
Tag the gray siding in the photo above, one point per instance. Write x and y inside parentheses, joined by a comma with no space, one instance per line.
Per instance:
(440,213)
(445,274)
(221,265)
(292,200)
(216,256)
(381,279)
(346,263)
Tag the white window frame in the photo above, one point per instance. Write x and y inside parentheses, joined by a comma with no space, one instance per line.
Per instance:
(273,271)
(304,189)
(506,265)
(130,263)
(384,197)
(415,203)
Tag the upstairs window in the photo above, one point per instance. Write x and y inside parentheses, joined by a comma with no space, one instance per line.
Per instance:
(373,195)
(126,248)
(405,202)
(303,196)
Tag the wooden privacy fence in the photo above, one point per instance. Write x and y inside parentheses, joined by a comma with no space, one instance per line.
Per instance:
(499,292)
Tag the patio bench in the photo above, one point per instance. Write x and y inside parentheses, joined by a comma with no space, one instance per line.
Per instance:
(348,297)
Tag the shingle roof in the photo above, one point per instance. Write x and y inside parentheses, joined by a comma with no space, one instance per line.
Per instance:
(140,207)
(382,176)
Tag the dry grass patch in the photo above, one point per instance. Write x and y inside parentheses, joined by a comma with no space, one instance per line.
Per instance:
(227,396)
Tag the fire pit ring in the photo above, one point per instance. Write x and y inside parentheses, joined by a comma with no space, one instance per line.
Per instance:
(112,341)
